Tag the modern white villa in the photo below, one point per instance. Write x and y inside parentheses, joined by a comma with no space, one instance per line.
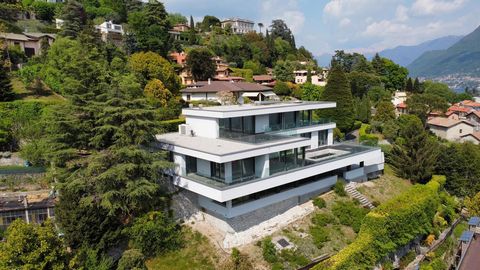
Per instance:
(268,156)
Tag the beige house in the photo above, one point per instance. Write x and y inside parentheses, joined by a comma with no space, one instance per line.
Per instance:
(29,43)
(450,129)
(473,137)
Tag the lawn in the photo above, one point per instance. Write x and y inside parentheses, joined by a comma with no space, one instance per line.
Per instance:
(23,93)
(197,253)
(385,187)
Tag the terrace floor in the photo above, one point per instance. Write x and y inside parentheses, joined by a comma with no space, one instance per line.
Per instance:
(472,258)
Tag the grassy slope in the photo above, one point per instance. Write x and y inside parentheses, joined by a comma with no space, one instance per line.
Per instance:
(26,95)
(197,253)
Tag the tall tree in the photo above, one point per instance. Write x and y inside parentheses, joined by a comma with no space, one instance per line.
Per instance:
(417,87)
(414,156)
(422,105)
(192,33)
(338,90)
(385,112)
(280,29)
(209,22)
(150,28)
(6,91)
(409,85)
(75,19)
(201,65)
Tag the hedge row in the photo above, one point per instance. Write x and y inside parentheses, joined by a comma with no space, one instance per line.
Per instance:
(171,125)
(365,136)
(390,226)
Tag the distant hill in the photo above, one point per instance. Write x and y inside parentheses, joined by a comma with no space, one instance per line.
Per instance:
(405,55)
(461,58)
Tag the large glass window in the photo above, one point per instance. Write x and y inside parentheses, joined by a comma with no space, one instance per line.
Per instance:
(243,170)
(235,127)
(237,124)
(286,160)
(249,124)
(305,117)
(191,164)
(275,121)
(289,120)
(217,170)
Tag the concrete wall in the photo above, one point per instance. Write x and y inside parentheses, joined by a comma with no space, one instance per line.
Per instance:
(469,138)
(248,207)
(204,127)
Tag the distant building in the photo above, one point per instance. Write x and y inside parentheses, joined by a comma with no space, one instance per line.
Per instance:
(29,43)
(207,90)
(399,97)
(111,32)
(31,208)
(59,23)
(239,26)
(178,30)
(179,58)
(267,80)
(301,77)
(450,129)
(181,27)
(401,109)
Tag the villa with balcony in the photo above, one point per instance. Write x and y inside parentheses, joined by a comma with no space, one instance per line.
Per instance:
(236,160)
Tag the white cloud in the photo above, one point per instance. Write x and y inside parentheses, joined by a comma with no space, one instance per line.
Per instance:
(285,10)
(385,28)
(334,8)
(429,7)
(345,22)
(401,14)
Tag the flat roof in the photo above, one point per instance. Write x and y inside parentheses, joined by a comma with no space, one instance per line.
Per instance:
(223,147)
(256,109)
(474,221)
(471,260)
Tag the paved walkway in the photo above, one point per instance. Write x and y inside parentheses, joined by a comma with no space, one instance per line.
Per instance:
(351,189)
(471,260)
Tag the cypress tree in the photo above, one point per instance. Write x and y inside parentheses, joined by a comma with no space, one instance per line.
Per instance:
(409,86)
(338,90)
(6,91)
(417,86)
(75,19)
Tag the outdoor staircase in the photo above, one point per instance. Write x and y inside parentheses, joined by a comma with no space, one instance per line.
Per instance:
(351,189)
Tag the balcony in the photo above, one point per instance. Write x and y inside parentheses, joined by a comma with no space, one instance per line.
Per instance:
(313,158)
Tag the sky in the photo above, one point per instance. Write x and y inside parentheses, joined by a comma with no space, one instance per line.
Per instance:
(363,26)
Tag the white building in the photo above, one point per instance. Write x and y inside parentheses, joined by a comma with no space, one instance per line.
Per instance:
(301,77)
(236,160)
(111,32)
(450,129)
(399,97)
(239,26)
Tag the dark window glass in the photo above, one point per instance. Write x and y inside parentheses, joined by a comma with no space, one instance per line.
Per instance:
(322,137)
(217,170)
(289,119)
(249,125)
(275,121)
(237,124)
(191,164)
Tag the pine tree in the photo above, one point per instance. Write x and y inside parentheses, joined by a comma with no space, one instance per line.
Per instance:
(414,156)
(6,91)
(338,90)
(417,87)
(409,86)
(379,65)
(192,35)
(75,19)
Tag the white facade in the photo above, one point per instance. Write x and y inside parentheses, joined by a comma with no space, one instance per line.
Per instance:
(239,26)
(399,97)
(301,77)
(241,158)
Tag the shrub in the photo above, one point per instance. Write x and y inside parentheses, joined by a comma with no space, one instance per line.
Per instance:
(268,250)
(365,137)
(319,202)
(171,125)
(132,259)
(322,219)
(429,240)
(294,258)
(349,214)
(393,224)
(155,233)
(320,235)
(339,188)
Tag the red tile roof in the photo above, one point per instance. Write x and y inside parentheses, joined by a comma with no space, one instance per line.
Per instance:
(477,113)
(262,78)
(470,103)
(402,105)
(216,86)
(459,109)
(446,122)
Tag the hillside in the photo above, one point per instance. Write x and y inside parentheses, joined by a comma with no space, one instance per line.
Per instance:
(405,55)
(461,58)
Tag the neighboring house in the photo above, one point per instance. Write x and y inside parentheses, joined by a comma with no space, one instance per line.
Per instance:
(181,27)
(207,90)
(179,58)
(450,129)
(239,26)
(401,109)
(469,104)
(472,137)
(242,163)
(223,71)
(29,43)
(267,80)
(399,97)
(469,247)
(31,207)
(111,32)
(458,110)
(301,77)
(474,117)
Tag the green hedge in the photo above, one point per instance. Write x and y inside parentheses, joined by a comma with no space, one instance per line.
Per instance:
(171,125)
(390,226)
(366,137)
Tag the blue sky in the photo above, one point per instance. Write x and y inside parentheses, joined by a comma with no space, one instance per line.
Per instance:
(323,26)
